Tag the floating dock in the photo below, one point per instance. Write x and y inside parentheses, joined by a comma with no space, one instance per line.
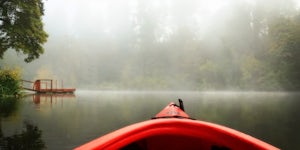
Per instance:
(45,86)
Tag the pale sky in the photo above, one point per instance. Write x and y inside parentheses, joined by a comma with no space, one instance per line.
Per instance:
(70,16)
(105,17)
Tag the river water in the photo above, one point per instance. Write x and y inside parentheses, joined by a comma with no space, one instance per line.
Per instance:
(66,121)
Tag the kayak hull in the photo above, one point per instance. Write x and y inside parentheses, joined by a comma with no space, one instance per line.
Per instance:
(175,134)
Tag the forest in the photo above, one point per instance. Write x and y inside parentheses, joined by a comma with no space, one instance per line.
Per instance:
(172,45)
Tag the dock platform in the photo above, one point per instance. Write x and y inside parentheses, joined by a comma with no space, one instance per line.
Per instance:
(45,86)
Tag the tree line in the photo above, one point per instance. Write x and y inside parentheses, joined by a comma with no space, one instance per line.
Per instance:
(244,47)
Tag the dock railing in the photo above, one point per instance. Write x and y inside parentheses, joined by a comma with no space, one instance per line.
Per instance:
(45,86)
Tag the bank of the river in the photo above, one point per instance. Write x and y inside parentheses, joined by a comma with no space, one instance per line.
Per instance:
(10,82)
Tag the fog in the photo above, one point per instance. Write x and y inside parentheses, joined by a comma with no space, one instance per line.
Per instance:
(161,45)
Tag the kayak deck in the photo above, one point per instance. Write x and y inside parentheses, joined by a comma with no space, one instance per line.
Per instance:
(177,134)
(173,129)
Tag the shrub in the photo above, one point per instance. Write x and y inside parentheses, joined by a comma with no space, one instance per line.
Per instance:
(10,82)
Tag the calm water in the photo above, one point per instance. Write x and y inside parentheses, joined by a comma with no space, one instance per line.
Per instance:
(67,121)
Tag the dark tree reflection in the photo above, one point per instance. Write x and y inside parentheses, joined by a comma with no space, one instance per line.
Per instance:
(8,106)
(28,139)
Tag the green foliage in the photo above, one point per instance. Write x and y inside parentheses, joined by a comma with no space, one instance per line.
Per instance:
(247,46)
(284,49)
(21,27)
(252,70)
(9,82)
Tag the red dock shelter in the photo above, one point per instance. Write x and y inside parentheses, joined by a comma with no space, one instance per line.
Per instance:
(46,86)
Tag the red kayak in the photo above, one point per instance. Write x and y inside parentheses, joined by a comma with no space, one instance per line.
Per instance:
(173,129)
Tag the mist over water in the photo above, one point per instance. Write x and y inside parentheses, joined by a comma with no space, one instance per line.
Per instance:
(65,122)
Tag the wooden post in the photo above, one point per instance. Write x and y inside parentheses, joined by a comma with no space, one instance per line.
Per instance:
(37,85)
(51,85)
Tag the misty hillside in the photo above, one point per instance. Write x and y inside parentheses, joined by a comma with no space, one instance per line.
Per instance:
(169,45)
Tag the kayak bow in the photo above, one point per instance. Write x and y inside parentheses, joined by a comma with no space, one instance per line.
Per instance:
(173,129)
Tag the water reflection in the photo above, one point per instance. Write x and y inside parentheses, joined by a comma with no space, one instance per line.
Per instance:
(21,125)
(30,138)
(37,97)
(8,106)
(56,99)
(68,121)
